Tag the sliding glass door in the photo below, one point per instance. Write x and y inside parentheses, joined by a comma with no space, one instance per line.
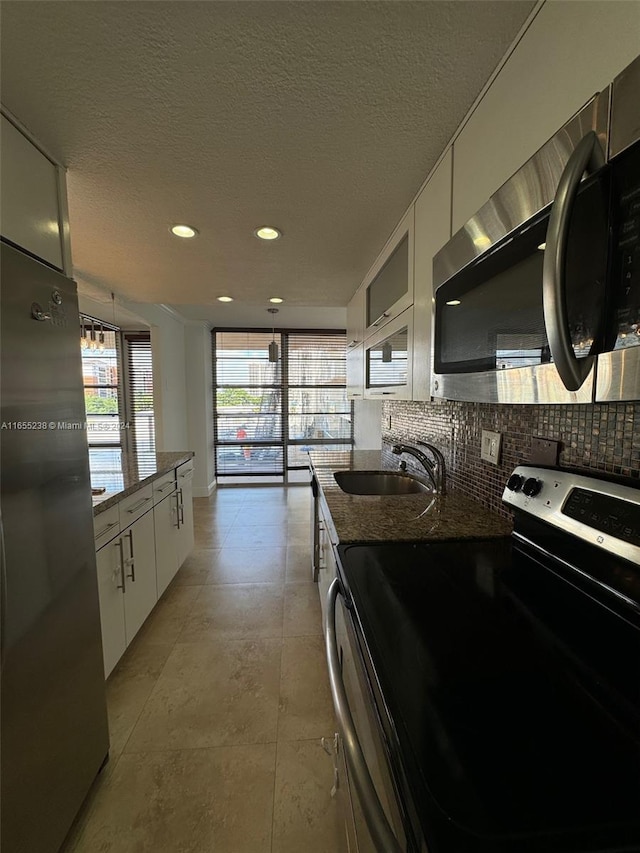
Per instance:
(269,414)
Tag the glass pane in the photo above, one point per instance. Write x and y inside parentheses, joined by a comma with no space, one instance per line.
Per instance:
(312,400)
(387,361)
(320,371)
(390,284)
(242,358)
(319,426)
(106,468)
(245,460)
(103,429)
(298,455)
(99,359)
(244,428)
(101,401)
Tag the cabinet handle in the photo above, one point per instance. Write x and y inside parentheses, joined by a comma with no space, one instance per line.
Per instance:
(165,487)
(186,474)
(181,507)
(177,497)
(356,395)
(130,561)
(107,528)
(137,506)
(352,344)
(382,393)
(382,317)
(118,545)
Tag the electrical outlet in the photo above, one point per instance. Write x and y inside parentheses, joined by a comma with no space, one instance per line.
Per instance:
(490,447)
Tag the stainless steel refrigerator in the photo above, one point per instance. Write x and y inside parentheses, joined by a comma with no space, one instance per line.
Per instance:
(53,714)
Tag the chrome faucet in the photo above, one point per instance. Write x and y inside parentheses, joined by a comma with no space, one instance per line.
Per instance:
(435,468)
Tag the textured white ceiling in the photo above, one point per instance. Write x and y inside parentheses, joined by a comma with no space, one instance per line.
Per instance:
(322,118)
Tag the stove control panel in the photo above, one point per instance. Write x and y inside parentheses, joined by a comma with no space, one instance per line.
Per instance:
(605,514)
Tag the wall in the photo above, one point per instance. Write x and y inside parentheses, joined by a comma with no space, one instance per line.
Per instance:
(366,424)
(200,405)
(169,375)
(595,438)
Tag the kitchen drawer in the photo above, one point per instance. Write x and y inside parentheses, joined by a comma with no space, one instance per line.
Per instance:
(163,486)
(184,472)
(106,526)
(135,505)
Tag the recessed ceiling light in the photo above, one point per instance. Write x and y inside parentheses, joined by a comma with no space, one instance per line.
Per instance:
(225,298)
(453,302)
(267,233)
(276,299)
(184,231)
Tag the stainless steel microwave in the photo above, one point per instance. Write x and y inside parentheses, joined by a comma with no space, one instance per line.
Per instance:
(537,297)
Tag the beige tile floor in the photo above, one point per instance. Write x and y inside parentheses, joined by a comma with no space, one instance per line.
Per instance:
(217,709)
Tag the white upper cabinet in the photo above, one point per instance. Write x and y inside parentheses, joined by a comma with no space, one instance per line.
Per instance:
(432,230)
(388,288)
(388,360)
(30,204)
(570,52)
(355,372)
(355,318)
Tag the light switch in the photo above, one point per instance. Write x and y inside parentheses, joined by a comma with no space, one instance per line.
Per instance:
(490,446)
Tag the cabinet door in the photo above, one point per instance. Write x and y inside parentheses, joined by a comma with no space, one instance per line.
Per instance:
(140,573)
(327,568)
(185,529)
(355,372)
(389,360)
(554,70)
(355,318)
(166,541)
(388,287)
(110,592)
(30,208)
(432,230)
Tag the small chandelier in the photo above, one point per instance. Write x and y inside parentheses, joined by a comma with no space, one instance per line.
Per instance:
(273,346)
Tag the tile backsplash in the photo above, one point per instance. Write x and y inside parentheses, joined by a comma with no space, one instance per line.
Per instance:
(598,438)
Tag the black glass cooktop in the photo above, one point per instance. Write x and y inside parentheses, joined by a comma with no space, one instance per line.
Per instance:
(513,697)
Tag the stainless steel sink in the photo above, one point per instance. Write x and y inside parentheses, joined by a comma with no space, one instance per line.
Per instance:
(380,483)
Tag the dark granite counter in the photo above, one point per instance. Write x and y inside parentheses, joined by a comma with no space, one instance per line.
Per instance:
(407,518)
(133,473)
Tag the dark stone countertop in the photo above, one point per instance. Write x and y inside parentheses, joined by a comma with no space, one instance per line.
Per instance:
(136,471)
(407,518)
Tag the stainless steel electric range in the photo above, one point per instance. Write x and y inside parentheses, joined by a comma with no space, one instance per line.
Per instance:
(488,692)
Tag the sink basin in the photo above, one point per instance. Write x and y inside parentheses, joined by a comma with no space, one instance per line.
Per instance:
(380,483)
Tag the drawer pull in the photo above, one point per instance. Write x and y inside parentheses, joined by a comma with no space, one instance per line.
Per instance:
(137,506)
(382,317)
(107,528)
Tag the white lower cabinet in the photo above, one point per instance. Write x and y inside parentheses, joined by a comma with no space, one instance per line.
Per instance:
(126,587)
(165,518)
(111,593)
(136,566)
(185,511)
(140,593)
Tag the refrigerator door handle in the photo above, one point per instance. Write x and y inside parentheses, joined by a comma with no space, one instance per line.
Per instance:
(587,156)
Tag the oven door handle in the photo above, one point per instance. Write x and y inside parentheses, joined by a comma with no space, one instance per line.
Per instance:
(587,156)
(377,823)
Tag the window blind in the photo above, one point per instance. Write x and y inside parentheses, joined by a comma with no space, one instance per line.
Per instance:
(139,385)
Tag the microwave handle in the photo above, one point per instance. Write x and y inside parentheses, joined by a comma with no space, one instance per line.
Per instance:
(587,156)
(377,823)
